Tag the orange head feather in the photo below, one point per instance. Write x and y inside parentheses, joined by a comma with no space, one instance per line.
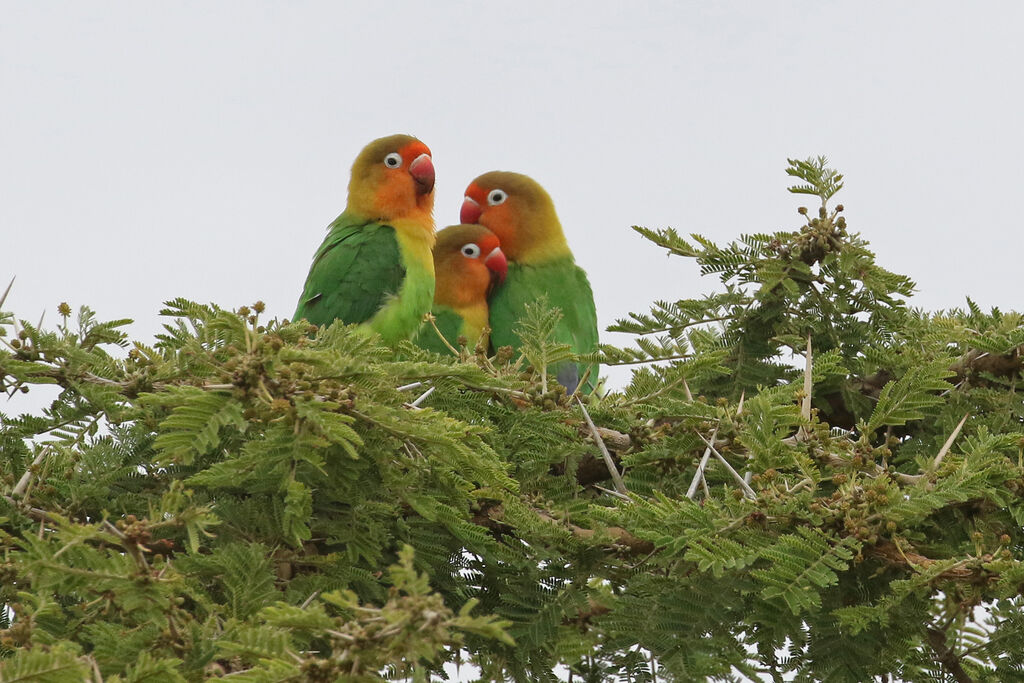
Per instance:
(468,263)
(393,179)
(520,212)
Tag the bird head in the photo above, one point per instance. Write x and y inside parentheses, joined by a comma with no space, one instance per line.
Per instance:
(520,212)
(392,178)
(468,264)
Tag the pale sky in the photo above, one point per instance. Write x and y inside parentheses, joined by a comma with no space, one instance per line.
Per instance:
(199,149)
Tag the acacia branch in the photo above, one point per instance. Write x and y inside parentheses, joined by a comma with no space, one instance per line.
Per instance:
(946,656)
(622,539)
(894,555)
(698,476)
(37,514)
(606,456)
(492,517)
(26,478)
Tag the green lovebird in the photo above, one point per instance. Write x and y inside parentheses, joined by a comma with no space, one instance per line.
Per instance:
(468,263)
(520,212)
(375,266)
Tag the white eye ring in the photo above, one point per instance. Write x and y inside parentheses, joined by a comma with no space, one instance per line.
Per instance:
(393,160)
(471,250)
(495,197)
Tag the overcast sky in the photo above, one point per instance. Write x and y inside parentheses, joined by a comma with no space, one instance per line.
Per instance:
(198,149)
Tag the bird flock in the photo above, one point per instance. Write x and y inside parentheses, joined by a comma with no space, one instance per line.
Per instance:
(382,266)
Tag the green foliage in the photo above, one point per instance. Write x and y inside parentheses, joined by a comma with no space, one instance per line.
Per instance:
(819,179)
(536,328)
(242,500)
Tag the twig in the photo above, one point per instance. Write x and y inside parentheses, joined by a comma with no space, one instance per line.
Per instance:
(413,451)
(654,394)
(747,491)
(95,668)
(620,536)
(682,327)
(26,478)
(620,486)
(7,291)
(114,530)
(616,441)
(647,557)
(514,393)
(134,548)
(611,493)
(805,407)
(583,379)
(945,655)
(34,513)
(872,472)
(308,601)
(422,398)
(949,443)
(481,351)
(433,323)
(894,554)
(699,474)
(622,363)
(888,435)
(338,634)
(799,485)
(96,379)
(689,394)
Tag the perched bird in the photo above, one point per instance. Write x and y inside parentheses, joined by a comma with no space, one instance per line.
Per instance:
(375,266)
(520,212)
(468,263)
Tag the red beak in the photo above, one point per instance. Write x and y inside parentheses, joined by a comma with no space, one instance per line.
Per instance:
(497,264)
(470,211)
(422,171)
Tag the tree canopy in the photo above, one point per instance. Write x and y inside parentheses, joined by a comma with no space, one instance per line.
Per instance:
(805,478)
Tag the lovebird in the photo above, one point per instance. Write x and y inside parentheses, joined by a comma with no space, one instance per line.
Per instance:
(468,263)
(375,266)
(520,212)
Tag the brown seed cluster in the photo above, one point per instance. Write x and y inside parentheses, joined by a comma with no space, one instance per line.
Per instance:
(556,397)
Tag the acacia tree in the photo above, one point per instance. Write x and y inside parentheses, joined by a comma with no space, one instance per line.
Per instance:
(804,478)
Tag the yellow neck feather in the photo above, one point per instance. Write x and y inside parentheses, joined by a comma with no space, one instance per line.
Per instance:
(474,320)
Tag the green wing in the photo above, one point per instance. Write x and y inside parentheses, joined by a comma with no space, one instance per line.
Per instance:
(449,323)
(355,270)
(567,288)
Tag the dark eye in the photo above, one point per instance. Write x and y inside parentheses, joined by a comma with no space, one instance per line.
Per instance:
(495,197)
(471,250)
(393,160)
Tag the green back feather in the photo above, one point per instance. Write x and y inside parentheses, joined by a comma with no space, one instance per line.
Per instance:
(566,287)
